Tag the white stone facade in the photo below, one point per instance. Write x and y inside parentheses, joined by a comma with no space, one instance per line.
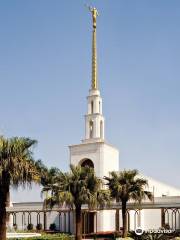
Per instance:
(160,189)
(94,120)
(104,157)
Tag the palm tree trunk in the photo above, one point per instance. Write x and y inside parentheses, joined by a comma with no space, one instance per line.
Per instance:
(78,223)
(117,220)
(7,205)
(124,219)
(117,217)
(4,196)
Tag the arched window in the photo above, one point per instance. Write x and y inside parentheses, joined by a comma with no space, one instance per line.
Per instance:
(92,107)
(87,163)
(101,129)
(91,129)
(99,107)
(137,219)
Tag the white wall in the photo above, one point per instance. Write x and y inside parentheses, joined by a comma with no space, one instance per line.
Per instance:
(106,220)
(104,157)
(151,219)
(160,188)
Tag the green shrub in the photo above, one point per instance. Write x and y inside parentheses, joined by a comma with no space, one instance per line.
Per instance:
(52,227)
(39,226)
(30,226)
(50,237)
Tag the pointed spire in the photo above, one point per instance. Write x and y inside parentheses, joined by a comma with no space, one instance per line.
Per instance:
(94,83)
(94,61)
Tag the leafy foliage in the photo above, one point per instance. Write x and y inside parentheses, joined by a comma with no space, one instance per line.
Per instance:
(75,188)
(16,161)
(50,237)
(47,175)
(30,226)
(39,226)
(52,227)
(78,187)
(17,167)
(126,185)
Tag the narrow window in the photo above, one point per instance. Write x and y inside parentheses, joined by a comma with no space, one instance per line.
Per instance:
(92,107)
(91,129)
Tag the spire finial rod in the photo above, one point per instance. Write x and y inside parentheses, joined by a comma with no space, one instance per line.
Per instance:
(94,84)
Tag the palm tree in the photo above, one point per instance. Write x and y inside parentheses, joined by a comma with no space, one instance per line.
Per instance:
(17,167)
(75,188)
(47,174)
(125,186)
(47,177)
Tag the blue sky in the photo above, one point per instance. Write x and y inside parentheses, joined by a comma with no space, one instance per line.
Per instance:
(45,74)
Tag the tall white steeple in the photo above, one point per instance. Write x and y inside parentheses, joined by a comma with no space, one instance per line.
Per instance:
(94,151)
(94,120)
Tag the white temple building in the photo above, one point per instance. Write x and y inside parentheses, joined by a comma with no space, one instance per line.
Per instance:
(104,158)
(94,150)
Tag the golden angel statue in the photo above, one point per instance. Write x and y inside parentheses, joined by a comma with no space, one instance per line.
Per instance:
(94,15)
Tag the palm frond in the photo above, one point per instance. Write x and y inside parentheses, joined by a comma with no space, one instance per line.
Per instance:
(77,187)
(126,185)
(16,161)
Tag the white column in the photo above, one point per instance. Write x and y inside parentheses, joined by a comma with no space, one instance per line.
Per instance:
(102,129)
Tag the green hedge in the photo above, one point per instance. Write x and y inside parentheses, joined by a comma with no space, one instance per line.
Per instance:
(48,237)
